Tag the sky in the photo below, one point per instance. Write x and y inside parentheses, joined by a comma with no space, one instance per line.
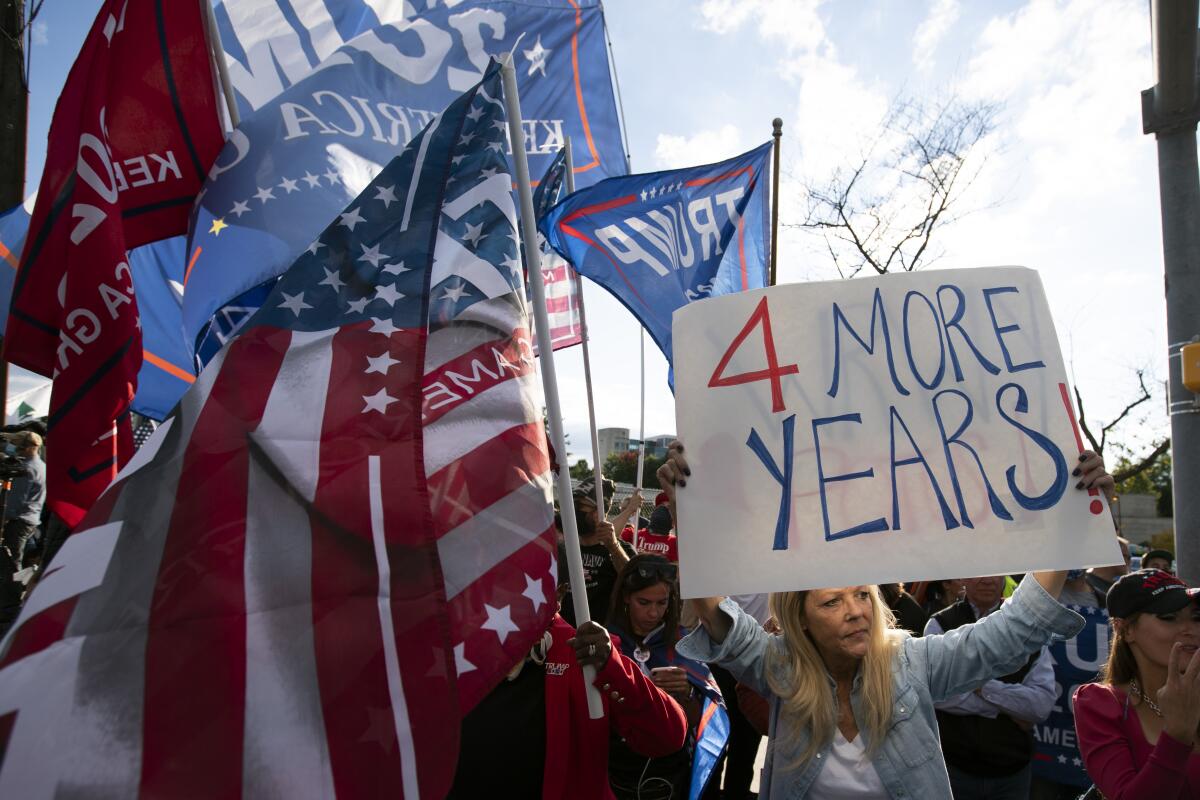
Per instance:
(1069,186)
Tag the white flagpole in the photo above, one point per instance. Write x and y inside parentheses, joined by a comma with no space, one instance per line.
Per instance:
(566,505)
(641,465)
(218,56)
(597,474)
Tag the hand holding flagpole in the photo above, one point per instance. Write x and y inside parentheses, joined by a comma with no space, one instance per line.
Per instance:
(566,504)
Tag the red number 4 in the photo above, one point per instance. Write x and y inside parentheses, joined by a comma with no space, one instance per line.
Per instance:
(772,373)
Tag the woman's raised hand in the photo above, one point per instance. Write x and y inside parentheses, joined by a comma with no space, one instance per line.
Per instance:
(1179,698)
(1092,475)
(674,472)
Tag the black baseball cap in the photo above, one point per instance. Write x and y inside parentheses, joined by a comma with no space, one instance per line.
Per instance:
(1148,591)
(660,520)
(587,488)
(1167,555)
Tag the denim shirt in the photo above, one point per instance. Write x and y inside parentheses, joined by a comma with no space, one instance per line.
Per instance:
(924,671)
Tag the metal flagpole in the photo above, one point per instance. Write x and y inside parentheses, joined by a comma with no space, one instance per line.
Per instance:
(642,331)
(218,56)
(533,258)
(776,134)
(642,423)
(597,474)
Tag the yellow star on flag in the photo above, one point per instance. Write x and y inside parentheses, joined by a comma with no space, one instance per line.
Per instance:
(218,225)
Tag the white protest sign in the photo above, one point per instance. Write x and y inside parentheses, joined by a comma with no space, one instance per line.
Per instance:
(897,428)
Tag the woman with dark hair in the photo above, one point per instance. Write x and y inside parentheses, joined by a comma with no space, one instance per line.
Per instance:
(644,620)
(933,596)
(908,612)
(1138,728)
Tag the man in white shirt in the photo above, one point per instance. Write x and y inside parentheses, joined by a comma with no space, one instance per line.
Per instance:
(987,734)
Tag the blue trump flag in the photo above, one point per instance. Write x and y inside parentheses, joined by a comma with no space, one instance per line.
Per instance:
(661,240)
(1077,661)
(157,270)
(166,371)
(14,225)
(308,150)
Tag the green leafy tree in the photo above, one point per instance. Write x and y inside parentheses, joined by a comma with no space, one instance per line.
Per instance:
(1154,479)
(622,468)
(581,469)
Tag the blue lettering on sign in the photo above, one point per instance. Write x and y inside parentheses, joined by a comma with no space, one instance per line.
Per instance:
(877,312)
(1056,489)
(875,525)
(947,517)
(912,363)
(946,311)
(997,507)
(988,294)
(956,323)
(784,477)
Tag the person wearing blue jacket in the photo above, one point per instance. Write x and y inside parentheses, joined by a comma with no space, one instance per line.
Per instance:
(852,697)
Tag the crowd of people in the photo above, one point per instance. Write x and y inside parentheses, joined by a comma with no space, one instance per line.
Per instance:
(931,690)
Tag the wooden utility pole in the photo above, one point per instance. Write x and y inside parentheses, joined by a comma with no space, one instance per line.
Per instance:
(14,100)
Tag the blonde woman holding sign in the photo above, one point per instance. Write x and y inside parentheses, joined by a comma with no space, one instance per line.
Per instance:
(851,696)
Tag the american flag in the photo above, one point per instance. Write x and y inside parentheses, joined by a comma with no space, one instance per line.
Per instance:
(339,541)
(563,290)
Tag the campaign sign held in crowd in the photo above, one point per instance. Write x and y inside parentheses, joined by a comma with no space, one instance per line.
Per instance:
(1076,661)
(902,427)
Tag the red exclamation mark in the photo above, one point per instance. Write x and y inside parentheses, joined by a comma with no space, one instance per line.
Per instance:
(1096,506)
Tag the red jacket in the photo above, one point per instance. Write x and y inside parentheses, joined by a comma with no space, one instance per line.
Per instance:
(643,715)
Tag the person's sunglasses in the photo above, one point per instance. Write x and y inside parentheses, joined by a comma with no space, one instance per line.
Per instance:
(650,571)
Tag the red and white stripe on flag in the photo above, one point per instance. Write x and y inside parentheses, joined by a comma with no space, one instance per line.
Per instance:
(340,541)
(564,293)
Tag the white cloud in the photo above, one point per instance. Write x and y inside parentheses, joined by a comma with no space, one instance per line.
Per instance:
(1070,79)
(932,30)
(796,23)
(705,147)
(38,33)
(1073,182)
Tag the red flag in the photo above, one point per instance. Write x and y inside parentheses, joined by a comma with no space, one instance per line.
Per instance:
(133,134)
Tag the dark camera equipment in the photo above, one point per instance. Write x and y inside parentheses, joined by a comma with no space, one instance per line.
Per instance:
(11,467)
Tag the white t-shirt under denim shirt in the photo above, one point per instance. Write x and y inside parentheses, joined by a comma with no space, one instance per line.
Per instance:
(847,774)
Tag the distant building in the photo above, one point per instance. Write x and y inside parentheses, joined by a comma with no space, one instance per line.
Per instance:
(612,440)
(1137,518)
(657,445)
(616,440)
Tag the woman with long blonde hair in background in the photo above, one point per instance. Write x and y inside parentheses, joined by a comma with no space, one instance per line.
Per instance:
(851,697)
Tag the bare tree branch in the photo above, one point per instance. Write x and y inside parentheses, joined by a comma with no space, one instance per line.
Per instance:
(1141,373)
(884,212)
(1143,465)
(1097,446)
(1149,460)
